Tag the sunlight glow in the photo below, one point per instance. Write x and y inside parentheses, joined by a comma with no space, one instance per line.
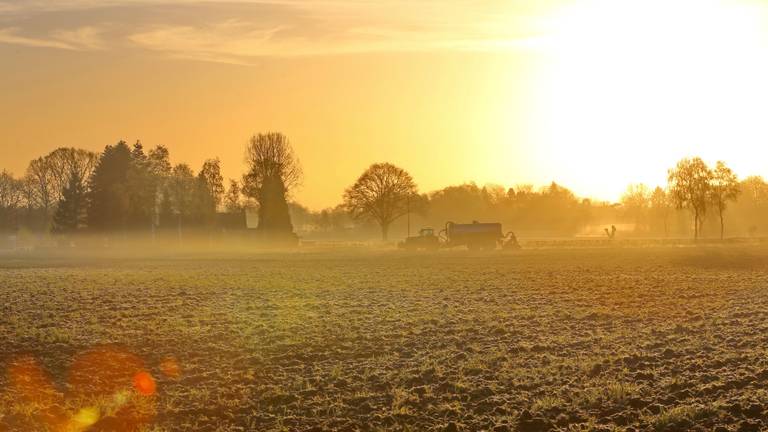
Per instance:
(628,87)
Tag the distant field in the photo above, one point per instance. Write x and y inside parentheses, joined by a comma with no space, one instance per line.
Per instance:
(651,338)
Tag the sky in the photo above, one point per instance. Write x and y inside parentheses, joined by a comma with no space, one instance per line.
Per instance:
(592,94)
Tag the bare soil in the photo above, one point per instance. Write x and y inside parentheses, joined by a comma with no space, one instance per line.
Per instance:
(615,339)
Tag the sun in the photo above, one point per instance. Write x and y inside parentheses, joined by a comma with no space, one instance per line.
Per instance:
(627,87)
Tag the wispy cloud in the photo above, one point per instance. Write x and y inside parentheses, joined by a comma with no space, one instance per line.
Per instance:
(242,31)
(80,39)
(83,38)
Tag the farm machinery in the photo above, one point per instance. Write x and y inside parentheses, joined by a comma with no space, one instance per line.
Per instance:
(474,236)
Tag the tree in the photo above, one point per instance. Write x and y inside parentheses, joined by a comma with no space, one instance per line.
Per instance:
(724,188)
(270,156)
(636,202)
(11,195)
(181,189)
(159,166)
(66,162)
(689,187)
(274,215)
(381,193)
(232,201)
(213,182)
(159,161)
(273,171)
(70,213)
(660,208)
(41,182)
(752,205)
(108,196)
(141,189)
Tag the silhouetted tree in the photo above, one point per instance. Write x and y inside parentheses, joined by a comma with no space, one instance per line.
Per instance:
(70,212)
(232,200)
(66,162)
(460,203)
(11,196)
(381,193)
(635,201)
(159,161)
(141,188)
(181,190)
(159,165)
(724,188)
(41,181)
(274,216)
(689,187)
(108,196)
(273,171)
(211,185)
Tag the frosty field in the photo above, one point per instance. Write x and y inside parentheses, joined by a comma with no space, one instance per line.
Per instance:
(653,338)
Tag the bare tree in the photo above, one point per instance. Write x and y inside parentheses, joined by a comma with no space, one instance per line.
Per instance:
(270,157)
(67,162)
(725,187)
(381,193)
(48,176)
(273,170)
(689,187)
(11,194)
(11,191)
(41,180)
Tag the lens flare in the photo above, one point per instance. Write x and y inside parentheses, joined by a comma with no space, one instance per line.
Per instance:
(170,368)
(144,383)
(86,417)
(105,392)
(30,384)
(113,374)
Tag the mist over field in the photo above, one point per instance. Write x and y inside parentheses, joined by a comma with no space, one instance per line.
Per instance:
(400,215)
(548,338)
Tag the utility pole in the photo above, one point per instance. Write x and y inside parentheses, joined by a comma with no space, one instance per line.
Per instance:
(408,212)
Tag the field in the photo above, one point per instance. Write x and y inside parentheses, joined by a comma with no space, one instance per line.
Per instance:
(653,338)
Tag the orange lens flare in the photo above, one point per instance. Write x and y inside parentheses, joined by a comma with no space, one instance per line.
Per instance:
(30,384)
(170,368)
(100,393)
(144,383)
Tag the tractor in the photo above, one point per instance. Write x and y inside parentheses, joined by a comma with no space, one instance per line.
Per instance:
(474,236)
(426,240)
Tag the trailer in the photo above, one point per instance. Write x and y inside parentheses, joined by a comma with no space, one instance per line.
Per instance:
(475,235)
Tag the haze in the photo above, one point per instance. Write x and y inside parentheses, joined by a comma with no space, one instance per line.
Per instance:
(591,94)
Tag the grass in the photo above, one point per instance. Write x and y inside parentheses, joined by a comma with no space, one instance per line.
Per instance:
(674,416)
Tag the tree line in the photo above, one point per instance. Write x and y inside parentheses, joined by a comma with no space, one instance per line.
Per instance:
(384,191)
(127,188)
(708,196)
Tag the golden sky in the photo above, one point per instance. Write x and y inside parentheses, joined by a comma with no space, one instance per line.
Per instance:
(594,94)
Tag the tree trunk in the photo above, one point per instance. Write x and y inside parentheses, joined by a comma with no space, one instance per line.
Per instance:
(722,228)
(695,224)
(384,231)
